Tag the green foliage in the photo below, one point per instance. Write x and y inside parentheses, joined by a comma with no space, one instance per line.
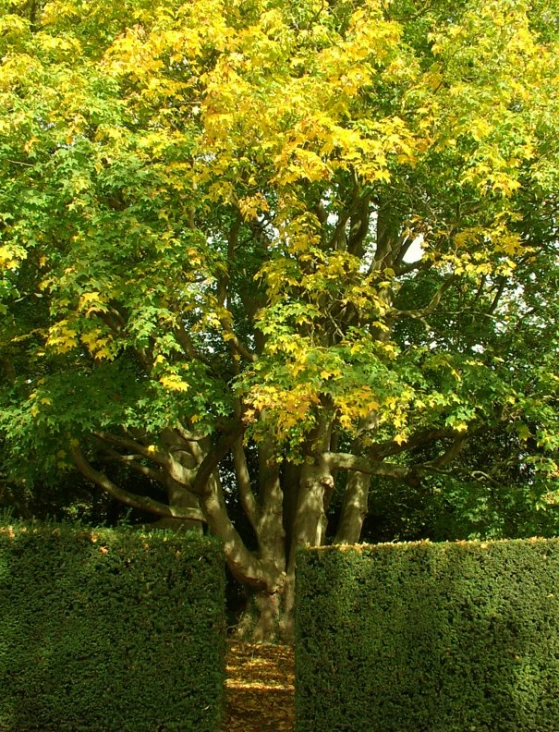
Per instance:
(149,226)
(425,637)
(491,492)
(306,226)
(110,629)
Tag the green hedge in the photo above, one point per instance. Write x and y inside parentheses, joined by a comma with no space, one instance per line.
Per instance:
(421,637)
(110,630)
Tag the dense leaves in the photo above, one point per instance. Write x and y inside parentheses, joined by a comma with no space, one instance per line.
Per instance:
(318,236)
(99,627)
(422,637)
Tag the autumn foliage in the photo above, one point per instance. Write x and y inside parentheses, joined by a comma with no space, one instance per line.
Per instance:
(276,250)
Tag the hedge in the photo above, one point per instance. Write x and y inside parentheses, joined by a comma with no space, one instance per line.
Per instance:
(110,630)
(421,637)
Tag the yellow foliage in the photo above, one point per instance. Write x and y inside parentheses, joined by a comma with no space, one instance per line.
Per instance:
(173,382)
(62,337)
(11,256)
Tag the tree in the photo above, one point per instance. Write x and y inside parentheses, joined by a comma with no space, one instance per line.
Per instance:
(489,492)
(310,243)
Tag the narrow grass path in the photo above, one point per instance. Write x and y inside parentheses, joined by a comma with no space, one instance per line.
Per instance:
(260,691)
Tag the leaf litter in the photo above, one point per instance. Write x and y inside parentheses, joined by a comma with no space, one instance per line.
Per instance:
(259,688)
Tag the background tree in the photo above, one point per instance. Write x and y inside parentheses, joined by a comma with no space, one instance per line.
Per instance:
(300,244)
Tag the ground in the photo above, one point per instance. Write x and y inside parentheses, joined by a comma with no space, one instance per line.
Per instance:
(259,688)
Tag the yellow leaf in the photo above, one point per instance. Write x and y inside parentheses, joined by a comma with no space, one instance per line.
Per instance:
(173,382)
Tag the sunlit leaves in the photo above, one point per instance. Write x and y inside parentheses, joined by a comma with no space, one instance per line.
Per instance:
(221,198)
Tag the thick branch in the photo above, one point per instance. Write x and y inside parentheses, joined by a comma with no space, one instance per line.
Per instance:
(232,241)
(223,295)
(337,240)
(404,243)
(429,309)
(389,447)
(150,452)
(236,342)
(347,461)
(187,435)
(144,503)
(243,563)
(174,468)
(248,500)
(132,462)
(185,341)
(408,267)
(448,456)
(376,465)
(321,214)
(354,509)
(498,295)
(359,227)
(385,239)
(213,458)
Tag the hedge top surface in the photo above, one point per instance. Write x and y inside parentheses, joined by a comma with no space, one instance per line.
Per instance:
(110,629)
(429,637)
(12,529)
(483,544)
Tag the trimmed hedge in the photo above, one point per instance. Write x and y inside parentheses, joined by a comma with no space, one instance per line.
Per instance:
(421,637)
(110,630)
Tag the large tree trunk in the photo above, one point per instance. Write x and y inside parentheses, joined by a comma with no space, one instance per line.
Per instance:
(268,616)
(354,509)
(309,523)
(269,526)
(180,498)
(265,618)
(291,482)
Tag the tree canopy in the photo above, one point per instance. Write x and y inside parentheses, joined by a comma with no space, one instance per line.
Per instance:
(284,247)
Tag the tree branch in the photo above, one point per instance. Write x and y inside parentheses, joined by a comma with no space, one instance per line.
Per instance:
(337,240)
(498,295)
(150,452)
(248,500)
(237,344)
(387,448)
(132,462)
(404,269)
(213,458)
(244,564)
(347,461)
(174,468)
(359,227)
(429,309)
(144,503)
(185,341)
(448,456)
(187,435)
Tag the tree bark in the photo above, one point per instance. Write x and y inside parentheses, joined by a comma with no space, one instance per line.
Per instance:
(268,616)
(291,481)
(181,499)
(310,516)
(270,530)
(354,509)
(144,503)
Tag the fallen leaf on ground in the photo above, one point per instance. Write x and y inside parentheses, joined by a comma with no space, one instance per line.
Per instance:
(259,688)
